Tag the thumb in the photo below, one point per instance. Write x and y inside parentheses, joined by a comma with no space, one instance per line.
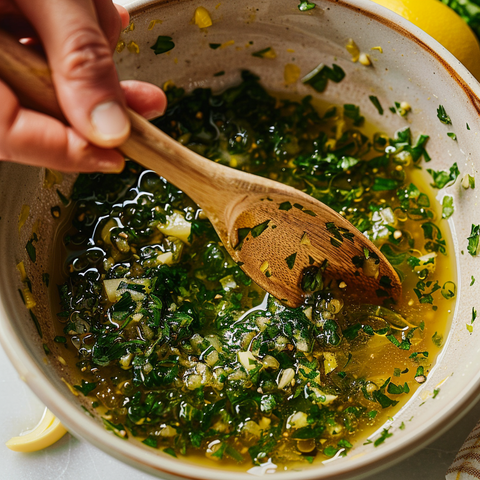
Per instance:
(83,71)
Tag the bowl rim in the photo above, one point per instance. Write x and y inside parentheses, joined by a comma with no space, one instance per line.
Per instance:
(389,454)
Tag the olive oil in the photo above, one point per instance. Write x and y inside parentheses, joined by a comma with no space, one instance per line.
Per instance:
(177,348)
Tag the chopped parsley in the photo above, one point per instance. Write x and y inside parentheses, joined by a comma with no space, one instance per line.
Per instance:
(447,206)
(304,6)
(442,115)
(473,240)
(376,104)
(163,45)
(442,178)
(319,76)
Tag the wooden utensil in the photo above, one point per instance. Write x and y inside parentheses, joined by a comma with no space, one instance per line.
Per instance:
(276,233)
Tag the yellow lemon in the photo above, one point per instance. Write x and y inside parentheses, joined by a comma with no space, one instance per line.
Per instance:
(444,25)
(46,433)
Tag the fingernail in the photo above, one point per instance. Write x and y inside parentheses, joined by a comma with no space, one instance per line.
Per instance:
(154,114)
(110,121)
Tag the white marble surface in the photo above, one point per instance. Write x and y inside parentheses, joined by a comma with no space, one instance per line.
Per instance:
(72,459)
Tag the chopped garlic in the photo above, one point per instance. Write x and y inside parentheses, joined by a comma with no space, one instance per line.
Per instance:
(285,377)
(353,50)
(364,59)
(330,362)
(176,226)
(248,361)
(202,18)
(291,73)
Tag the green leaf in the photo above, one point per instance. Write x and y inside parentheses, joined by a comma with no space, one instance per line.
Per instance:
(437,339)
(259,229)
(305,6)
(449,290)
(473,240)
(118,429)
(441,178)
(330,451)
(376,103)
(171,451)
(319,76)
(447,206)
(86,387)
(353,112)
(261,53)
(214,46)
(31,250)
(163,44)
(384,184)
(452,135)
(291,260)
(383,436)
(442,115)
(285,206)
(151,441)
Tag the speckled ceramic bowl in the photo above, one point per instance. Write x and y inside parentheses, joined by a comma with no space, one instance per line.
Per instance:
(407,65)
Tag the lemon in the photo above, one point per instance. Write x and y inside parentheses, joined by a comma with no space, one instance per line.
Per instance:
(444,25)
(46,433)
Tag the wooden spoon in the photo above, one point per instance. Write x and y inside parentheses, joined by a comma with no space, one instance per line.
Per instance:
(277,234)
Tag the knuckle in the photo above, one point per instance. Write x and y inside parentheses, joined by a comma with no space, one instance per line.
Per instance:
(87,56)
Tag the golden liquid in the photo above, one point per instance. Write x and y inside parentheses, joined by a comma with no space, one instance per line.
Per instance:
(378,360)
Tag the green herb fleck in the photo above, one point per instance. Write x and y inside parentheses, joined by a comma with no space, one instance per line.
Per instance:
(262,53)
(259,229)
(306,5)
(452,135)
(30,248)
(447,206)
(319,76)
(291,260)
(442,178)
(353,112)
(376,103)
(383,436)
(437,339)
(62,197)
(442,115)
(449,290)
(86,387)
(151,441)
(163,45)
(171,451)
(473,240)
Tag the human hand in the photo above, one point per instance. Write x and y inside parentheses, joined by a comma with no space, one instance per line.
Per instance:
(78,37)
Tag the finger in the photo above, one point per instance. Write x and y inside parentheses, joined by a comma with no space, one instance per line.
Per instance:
(146,99)
(33,138)
(83,71)
(109,19)
(7,6)
(124,15)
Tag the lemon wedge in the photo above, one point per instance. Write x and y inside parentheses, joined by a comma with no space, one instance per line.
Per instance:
(46,433)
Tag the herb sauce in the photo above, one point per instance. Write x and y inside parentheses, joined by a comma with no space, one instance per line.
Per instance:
(175,346)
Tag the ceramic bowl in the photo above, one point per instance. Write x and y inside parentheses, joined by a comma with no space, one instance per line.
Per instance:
(407,65)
